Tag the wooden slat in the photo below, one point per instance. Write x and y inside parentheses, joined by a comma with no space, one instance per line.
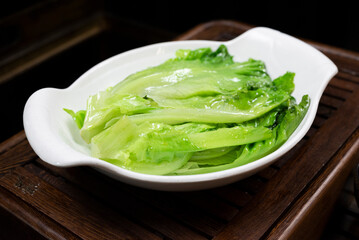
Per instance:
(348,77)
(11,142)
(209,203)
(81,218)
(252,184)
(162,201)
(337,92)
(310,133)
(111,194)
(319,121)
(296,151)
(188,214)
(267,173)
(16,156)
(310,211)
(10,224)
(325,111)
(343,83)
(35,219)
(233,195)
(331,102)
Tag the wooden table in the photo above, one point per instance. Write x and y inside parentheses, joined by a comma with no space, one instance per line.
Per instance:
(289,200)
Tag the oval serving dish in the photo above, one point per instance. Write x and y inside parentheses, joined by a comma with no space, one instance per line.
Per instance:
(56,140)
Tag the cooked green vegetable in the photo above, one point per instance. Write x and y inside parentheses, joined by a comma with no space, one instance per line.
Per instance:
(199,112)
(78,117)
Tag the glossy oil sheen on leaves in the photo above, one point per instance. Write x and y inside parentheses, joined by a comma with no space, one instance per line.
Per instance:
(199,112)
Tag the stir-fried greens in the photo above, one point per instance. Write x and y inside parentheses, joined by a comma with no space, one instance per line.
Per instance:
(199,112)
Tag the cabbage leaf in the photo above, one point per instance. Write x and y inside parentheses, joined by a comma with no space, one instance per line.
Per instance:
(196,113)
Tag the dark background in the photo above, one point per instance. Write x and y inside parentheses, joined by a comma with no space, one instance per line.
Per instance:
(335,23)
(332,22)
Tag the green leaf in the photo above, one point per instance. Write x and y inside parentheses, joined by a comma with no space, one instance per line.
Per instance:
(104,106)
(206,55)
(290,120)
(227,137)
(78,117)
(219,109)
(125,144)
(198,112)
(285,82)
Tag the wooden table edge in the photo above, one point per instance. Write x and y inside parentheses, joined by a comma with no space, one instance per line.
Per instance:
(313,208)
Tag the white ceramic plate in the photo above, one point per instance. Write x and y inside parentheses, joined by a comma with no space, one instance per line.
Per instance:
(55,138)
